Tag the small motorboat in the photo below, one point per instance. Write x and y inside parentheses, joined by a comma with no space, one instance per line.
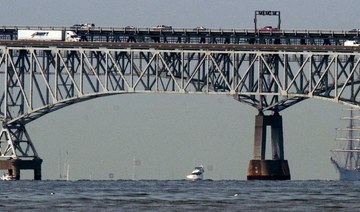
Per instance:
(7,177)
(197,174)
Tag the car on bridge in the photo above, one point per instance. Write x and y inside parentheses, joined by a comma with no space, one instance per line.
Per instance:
(355,30)
(163,27)
(268,29)
(200,28)
(88,25)
(83,26)
(129,27)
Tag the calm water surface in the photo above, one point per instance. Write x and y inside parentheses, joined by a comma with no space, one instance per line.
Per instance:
(178,195)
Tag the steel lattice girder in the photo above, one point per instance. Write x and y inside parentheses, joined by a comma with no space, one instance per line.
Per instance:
(39,80)
(15,142)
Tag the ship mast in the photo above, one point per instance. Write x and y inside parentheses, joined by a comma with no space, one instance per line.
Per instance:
(350,155)
(350,150)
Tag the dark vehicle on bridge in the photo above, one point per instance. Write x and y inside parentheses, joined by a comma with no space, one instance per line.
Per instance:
(76,26)
(355,30)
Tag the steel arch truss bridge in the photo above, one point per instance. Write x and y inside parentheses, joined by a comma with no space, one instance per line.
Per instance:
(36,81)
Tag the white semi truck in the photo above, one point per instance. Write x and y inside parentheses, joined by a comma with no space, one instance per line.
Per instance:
(47,35)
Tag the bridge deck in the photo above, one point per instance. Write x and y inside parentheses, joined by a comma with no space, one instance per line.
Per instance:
(191,35)
(183,46)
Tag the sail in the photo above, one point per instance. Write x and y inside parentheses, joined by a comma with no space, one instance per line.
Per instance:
(64,167)
(346,157)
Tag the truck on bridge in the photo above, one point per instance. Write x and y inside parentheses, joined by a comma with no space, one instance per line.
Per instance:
(47,35)
(351,43)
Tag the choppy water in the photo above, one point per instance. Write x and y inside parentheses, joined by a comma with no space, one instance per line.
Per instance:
(152,195)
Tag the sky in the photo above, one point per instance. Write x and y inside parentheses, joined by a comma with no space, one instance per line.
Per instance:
(170,134)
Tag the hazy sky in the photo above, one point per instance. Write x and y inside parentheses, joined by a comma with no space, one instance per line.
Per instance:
(170,134)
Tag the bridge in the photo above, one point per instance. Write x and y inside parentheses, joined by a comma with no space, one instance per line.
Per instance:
(41,77)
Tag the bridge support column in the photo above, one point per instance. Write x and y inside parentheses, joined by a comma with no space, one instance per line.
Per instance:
(18,152)
(277,168)
(13,166)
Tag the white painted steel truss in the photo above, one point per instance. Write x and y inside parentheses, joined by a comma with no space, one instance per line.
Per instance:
(36,81)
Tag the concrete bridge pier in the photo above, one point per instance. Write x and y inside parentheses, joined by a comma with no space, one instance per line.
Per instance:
(277,168)
(13,166)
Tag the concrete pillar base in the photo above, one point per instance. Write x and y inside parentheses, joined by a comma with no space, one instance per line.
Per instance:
(15,165)
(268,170)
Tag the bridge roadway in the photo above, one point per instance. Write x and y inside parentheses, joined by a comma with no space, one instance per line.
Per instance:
(197,35)
(183,46)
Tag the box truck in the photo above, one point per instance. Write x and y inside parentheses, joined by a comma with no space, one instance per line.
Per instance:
(351,43)
(47,35)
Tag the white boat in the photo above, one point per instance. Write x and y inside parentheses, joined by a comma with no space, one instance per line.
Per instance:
(197,174)
(346,158)
(7,177)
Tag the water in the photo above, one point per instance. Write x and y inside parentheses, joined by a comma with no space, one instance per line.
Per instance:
(179,195)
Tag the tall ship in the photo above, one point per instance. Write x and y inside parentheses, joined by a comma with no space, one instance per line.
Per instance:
(346,158)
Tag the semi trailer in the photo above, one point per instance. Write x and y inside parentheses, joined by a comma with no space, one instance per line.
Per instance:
(47,35)
(351,43)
